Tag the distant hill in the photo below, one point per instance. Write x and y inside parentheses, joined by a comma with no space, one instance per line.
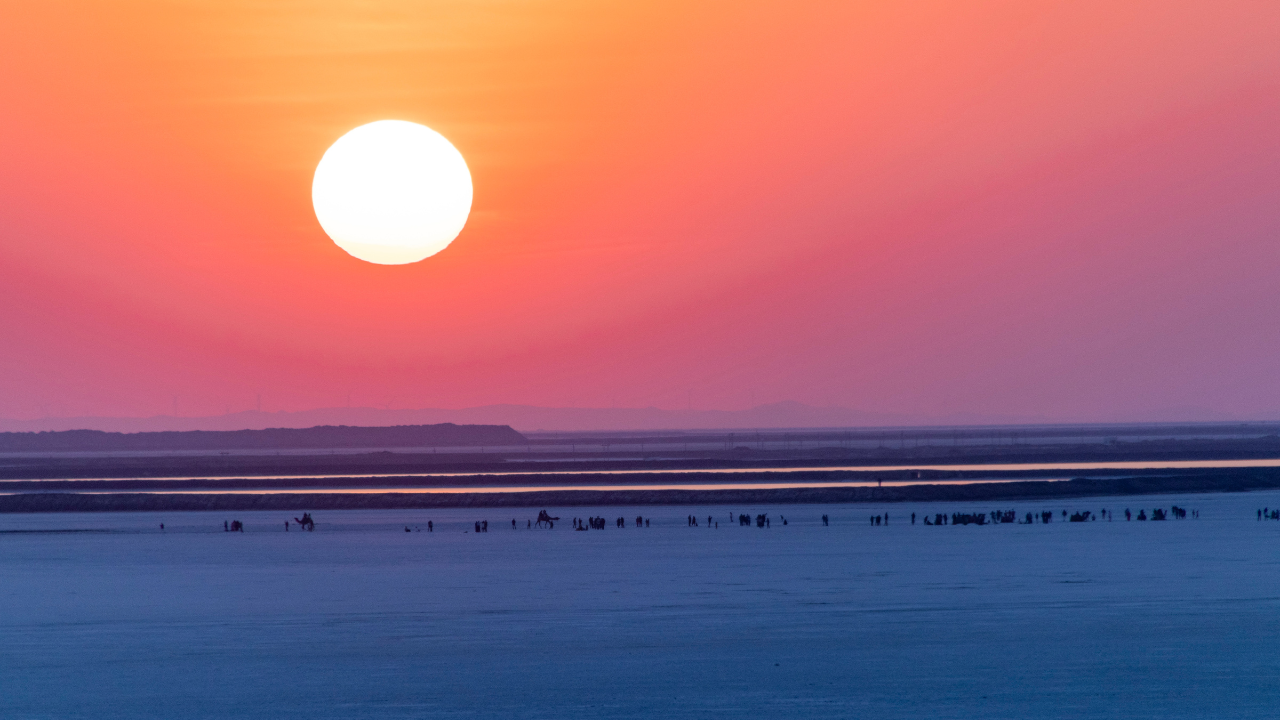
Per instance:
(322,437)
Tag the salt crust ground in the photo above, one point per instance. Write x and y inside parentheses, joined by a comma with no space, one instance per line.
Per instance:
(359,619)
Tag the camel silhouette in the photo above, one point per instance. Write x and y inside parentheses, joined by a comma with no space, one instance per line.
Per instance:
(543,517)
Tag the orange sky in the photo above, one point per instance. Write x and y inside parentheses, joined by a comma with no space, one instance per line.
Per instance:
(1065,211)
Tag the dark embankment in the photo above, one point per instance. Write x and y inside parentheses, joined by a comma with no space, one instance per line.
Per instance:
(327,436)
(392,483)
(1223,481)
(356,451)
(482,458)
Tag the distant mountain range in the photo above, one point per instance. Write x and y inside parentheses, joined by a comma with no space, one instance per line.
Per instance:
(524,418)
(325,436)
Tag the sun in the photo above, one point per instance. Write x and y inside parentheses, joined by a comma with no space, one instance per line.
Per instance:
(392,192)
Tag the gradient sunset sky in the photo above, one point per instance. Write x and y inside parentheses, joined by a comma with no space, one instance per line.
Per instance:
(1061,210)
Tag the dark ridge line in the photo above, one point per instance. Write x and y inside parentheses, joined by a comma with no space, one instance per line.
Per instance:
(985,492)
(319,437)
(215,484)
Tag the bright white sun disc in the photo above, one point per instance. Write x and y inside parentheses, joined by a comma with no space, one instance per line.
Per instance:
(392,192)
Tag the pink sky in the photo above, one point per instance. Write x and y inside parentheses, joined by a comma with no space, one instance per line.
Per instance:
(1066,211)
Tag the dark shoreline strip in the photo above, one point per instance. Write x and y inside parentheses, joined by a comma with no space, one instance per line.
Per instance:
(215,485)
(1226,481)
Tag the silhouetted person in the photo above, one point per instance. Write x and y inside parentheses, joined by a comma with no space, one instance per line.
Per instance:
(513,523)
(825,522)
(646,522)
(161,526)
(224,526)
(913,518)
(484,525)
(406,529)
(429,527)
(477,526)
(1127,515)
(286,526)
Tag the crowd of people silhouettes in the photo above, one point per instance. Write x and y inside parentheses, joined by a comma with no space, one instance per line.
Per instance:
(994,517)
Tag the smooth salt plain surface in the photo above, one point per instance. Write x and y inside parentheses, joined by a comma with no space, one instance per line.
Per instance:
(363,620)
